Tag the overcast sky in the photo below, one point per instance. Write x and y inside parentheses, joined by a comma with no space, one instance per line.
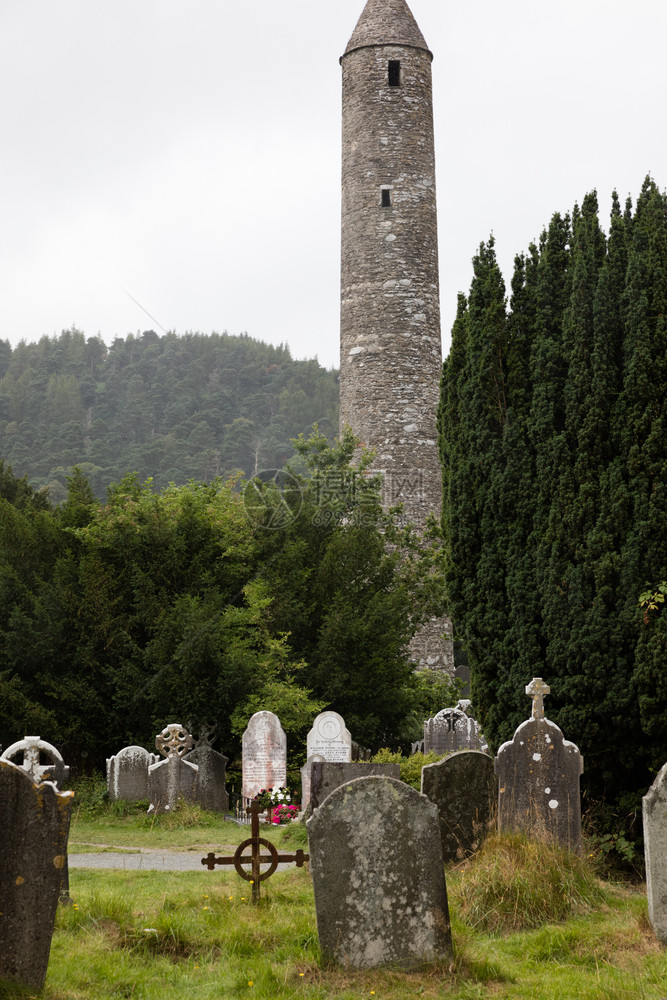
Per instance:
(186,155)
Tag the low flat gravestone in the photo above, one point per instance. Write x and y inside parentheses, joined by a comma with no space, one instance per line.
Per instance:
(654,809)
(453,729)
(538,779)
(174,777)
(465,790)
(326,776)
(378,876)
(264,754)
(127,774)
(34,823)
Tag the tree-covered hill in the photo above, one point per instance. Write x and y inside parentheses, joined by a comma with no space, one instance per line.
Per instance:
(168,407)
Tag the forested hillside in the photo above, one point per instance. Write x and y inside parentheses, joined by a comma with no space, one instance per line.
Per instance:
(174,408)
(554,444)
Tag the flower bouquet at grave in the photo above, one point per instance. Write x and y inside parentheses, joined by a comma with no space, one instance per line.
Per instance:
(269,798)
(284,814)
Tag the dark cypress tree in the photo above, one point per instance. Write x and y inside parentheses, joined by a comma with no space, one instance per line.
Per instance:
(555,504)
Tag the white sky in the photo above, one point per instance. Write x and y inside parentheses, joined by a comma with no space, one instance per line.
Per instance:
(188,153)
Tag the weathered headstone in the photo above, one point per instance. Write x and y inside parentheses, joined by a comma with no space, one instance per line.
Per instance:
(211,792)
(330,738)
(453,729)
(538,778)
(306,772)
(33,749)
(127,774)
(325,776)
(378,876)
(465,789)
(174,777)
(34,824)
(654,809)
(264,754)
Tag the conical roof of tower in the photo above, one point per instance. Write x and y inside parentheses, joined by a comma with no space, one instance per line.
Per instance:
(386,22)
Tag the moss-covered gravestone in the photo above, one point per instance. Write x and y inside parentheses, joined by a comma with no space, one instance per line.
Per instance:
(34,824)
(378,876)
(538,778)
(465,789)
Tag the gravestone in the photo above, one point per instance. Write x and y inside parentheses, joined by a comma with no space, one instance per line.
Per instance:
(330,738)
(264,754)
(326,776)
(465,789)
(34,823)
(378,876)
(654,811)
(306,772)
(127,774)
(538,778)
(453,729)
(34,749)
(174,777)
(210,792)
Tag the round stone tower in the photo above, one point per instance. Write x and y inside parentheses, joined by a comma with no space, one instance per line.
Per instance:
(391,355)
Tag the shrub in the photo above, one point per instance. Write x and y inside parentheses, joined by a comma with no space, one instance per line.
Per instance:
(411,767)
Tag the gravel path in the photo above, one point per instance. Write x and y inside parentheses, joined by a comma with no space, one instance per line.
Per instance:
(154,860)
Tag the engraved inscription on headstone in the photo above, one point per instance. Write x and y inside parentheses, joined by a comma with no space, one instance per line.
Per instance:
(330,738)
(264,754)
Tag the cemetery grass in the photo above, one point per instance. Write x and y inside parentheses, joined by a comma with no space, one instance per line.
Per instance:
(153,935)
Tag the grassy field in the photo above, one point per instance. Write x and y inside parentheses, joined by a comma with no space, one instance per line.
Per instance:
(159,936)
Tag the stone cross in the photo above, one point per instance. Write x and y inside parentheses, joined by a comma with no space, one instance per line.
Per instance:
(255,859)
(32,747)
(537,690)
(174,741)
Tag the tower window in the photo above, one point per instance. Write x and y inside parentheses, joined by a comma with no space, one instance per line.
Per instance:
(386,198)
(394,72)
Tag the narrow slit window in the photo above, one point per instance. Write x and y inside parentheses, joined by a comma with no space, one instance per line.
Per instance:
(394,72)
(386,198)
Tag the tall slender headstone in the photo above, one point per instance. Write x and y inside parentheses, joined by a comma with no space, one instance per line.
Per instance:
(538,778)
(34,824)
(654,811)
(378,876)
(264,754)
